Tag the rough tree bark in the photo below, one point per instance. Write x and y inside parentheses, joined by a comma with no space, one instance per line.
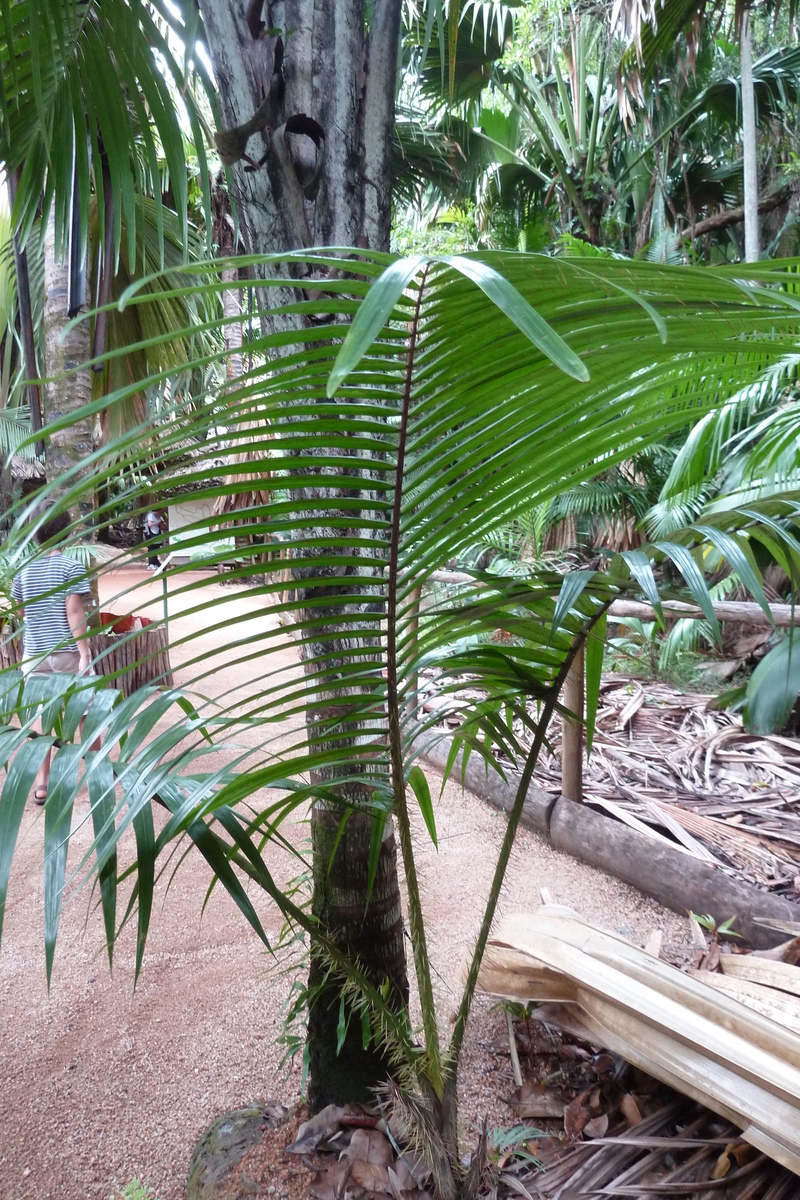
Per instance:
(325,180)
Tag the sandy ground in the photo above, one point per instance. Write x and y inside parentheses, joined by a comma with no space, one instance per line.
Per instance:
(100,1083)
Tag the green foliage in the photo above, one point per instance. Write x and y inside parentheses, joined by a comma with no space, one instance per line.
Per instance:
(469,391)
(508,1144)
(135,1190)
(710,925)
(773,688)
(79,77)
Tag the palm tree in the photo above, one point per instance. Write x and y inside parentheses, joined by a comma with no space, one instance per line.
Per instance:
(83,102)
(308,104)
(325,93)
(467,413)
(653,33)
(554,157)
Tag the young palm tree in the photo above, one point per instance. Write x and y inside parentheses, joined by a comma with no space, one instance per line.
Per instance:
(324,88)
(446,410)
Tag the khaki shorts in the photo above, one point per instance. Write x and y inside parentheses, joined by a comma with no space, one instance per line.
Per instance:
(65,662)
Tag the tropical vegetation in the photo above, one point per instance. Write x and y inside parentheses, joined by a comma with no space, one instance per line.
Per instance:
(398,413)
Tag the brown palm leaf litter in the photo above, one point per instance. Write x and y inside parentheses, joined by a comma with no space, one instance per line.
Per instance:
(677,1149)
(668,764)
(677,765)
(618,1133)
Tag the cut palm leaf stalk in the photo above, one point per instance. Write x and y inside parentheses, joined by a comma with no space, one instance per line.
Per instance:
(457,407)
(720,1050)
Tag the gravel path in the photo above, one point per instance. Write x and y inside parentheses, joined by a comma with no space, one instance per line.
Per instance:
(101,1083)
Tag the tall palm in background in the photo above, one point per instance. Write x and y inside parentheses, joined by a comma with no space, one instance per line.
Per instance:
(653,33)
(89,121)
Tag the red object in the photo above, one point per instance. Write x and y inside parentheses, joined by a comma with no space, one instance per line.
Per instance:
(121,624)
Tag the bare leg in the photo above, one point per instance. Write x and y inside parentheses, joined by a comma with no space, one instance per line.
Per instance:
(98,741)
(43,776)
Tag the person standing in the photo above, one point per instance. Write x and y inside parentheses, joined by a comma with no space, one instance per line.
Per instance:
(152,534)
(49,592)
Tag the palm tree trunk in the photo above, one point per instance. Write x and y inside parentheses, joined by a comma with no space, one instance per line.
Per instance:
(343,78)
(751,231)
(68,448)
(231,304)
(340,1068)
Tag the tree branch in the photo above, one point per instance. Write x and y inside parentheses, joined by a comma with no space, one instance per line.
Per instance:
(733,216)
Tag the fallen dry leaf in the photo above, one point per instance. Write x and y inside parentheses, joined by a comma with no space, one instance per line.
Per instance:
(723,1164)
(710,960)
(319,1127)
(412,1170)
(329,1184)
(370,1176)
(577,1116)
(395,1186)
(630,1110)
(371,1147)
(575,1052)
(596,1128)
(535,1100)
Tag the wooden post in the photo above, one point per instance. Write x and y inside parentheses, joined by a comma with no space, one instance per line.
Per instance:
(572,698)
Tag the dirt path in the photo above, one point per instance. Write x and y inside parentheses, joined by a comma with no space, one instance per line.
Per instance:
(100,1083)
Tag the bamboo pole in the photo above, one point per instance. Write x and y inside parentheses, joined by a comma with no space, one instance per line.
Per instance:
(413,630)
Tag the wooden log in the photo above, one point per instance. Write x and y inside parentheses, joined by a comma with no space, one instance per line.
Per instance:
(742,612)
(650,863)
(674,879)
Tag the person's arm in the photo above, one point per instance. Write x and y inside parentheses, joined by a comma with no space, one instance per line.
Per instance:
(77,623)
(16,596)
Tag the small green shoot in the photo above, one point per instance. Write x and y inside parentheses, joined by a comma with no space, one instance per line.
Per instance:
(710,925)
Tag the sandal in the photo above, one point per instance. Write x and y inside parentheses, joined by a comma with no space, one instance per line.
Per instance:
(40,795)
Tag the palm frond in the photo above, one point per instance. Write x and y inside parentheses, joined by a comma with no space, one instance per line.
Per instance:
(15,432)
(81,85)
(459,408)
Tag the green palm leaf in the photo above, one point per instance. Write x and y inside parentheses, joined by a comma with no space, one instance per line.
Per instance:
(79,85)
(450,419)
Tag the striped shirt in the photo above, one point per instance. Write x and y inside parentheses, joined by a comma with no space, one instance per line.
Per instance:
(42,588)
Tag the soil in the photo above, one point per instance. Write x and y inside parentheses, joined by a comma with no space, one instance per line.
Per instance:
(102,1082)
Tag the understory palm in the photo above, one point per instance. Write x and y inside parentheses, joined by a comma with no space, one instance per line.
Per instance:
(437,411)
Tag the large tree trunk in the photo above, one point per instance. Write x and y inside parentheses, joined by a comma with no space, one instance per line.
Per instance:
(343,78)
(71,446)
(751,247)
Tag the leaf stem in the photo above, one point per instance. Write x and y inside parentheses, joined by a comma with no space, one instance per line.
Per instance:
(514,816)
(418,941)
